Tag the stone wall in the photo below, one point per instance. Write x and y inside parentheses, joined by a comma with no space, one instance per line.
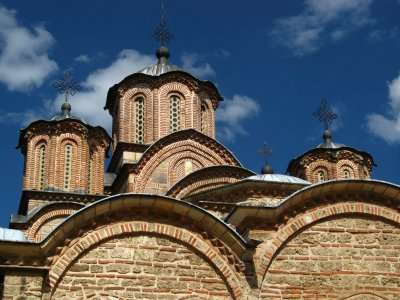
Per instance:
(22,284)
(141,267)
(335,259)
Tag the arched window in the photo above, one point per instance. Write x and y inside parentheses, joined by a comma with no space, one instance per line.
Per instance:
(90,177)
(139,114)
(320,176)
(41,157)
(174,113)
(67,167)
(346,173)
(203,118)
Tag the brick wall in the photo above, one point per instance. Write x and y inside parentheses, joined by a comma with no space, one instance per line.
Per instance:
(337,258)
(141,267)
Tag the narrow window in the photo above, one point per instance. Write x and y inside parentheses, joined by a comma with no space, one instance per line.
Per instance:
(321,176)
(174,112)
(139,109)
(203,118)
(346,174)
(42,151)
(67,167)
(90,179)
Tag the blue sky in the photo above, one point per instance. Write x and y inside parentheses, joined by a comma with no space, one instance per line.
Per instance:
(273,62)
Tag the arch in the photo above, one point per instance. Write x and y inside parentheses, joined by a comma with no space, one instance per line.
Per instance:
(181,149)
(45,219)
(313,216)
(207,178)
(349,166)
(182,165)
(125,117)
(318,168)
(32,163)
(124,223)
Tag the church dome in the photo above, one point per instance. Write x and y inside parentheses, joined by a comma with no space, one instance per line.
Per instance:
(162,66)
(278,178)
(66,114)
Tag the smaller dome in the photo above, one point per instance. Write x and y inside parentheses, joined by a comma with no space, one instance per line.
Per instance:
(328,144)
(162,66)
(278,178)
(66,114)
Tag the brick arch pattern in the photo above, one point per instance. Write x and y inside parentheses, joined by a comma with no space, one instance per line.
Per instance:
(186,106)
(365,296)
(207,115)
(319,165)
(31,172)
(187,148)
(126,112)
(177,166)
(286,232)
(121,229)
(78,167)
(206,179)
(346,164)
(45,219)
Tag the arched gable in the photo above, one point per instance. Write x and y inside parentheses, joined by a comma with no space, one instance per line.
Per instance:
(128,215)
(307,216)
(189,143)
(206,179)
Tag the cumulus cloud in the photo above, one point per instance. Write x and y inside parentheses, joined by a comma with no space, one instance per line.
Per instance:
(388,127)
(24,58)
(89,102)
(232,113)
(322,21)
(191,64)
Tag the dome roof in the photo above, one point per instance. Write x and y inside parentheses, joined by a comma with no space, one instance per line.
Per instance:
(280,178)
(162,66)
(327,136)
(66,114)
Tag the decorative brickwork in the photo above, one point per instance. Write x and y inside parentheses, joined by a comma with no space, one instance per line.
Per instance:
(336,258)
(142,267)
(322,164)
(48,166)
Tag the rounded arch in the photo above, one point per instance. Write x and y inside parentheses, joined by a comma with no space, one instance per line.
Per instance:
(319,171)
(314,216)
(104,219)
(126,113)
(182,149)
(119,230)
(349,166)
(207,178)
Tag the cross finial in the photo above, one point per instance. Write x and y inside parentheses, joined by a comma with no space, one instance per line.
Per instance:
(162,33)
(265,151)
(67,84)
(325,114)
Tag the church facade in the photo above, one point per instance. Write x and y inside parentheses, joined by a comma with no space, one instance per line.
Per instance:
(176,216)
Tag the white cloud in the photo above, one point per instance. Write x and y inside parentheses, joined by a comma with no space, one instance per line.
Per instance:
(322,21)
(89,102)
(232,112)
(191,64)
(84,58)
(388,127)
(24,59)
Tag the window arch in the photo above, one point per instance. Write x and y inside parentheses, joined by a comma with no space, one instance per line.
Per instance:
(41,165)
(67,167)
(139,120)
(174,113)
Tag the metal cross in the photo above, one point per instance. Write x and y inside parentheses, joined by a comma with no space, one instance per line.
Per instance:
(162,33)
(265,152)
(67,84)
(325,114)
